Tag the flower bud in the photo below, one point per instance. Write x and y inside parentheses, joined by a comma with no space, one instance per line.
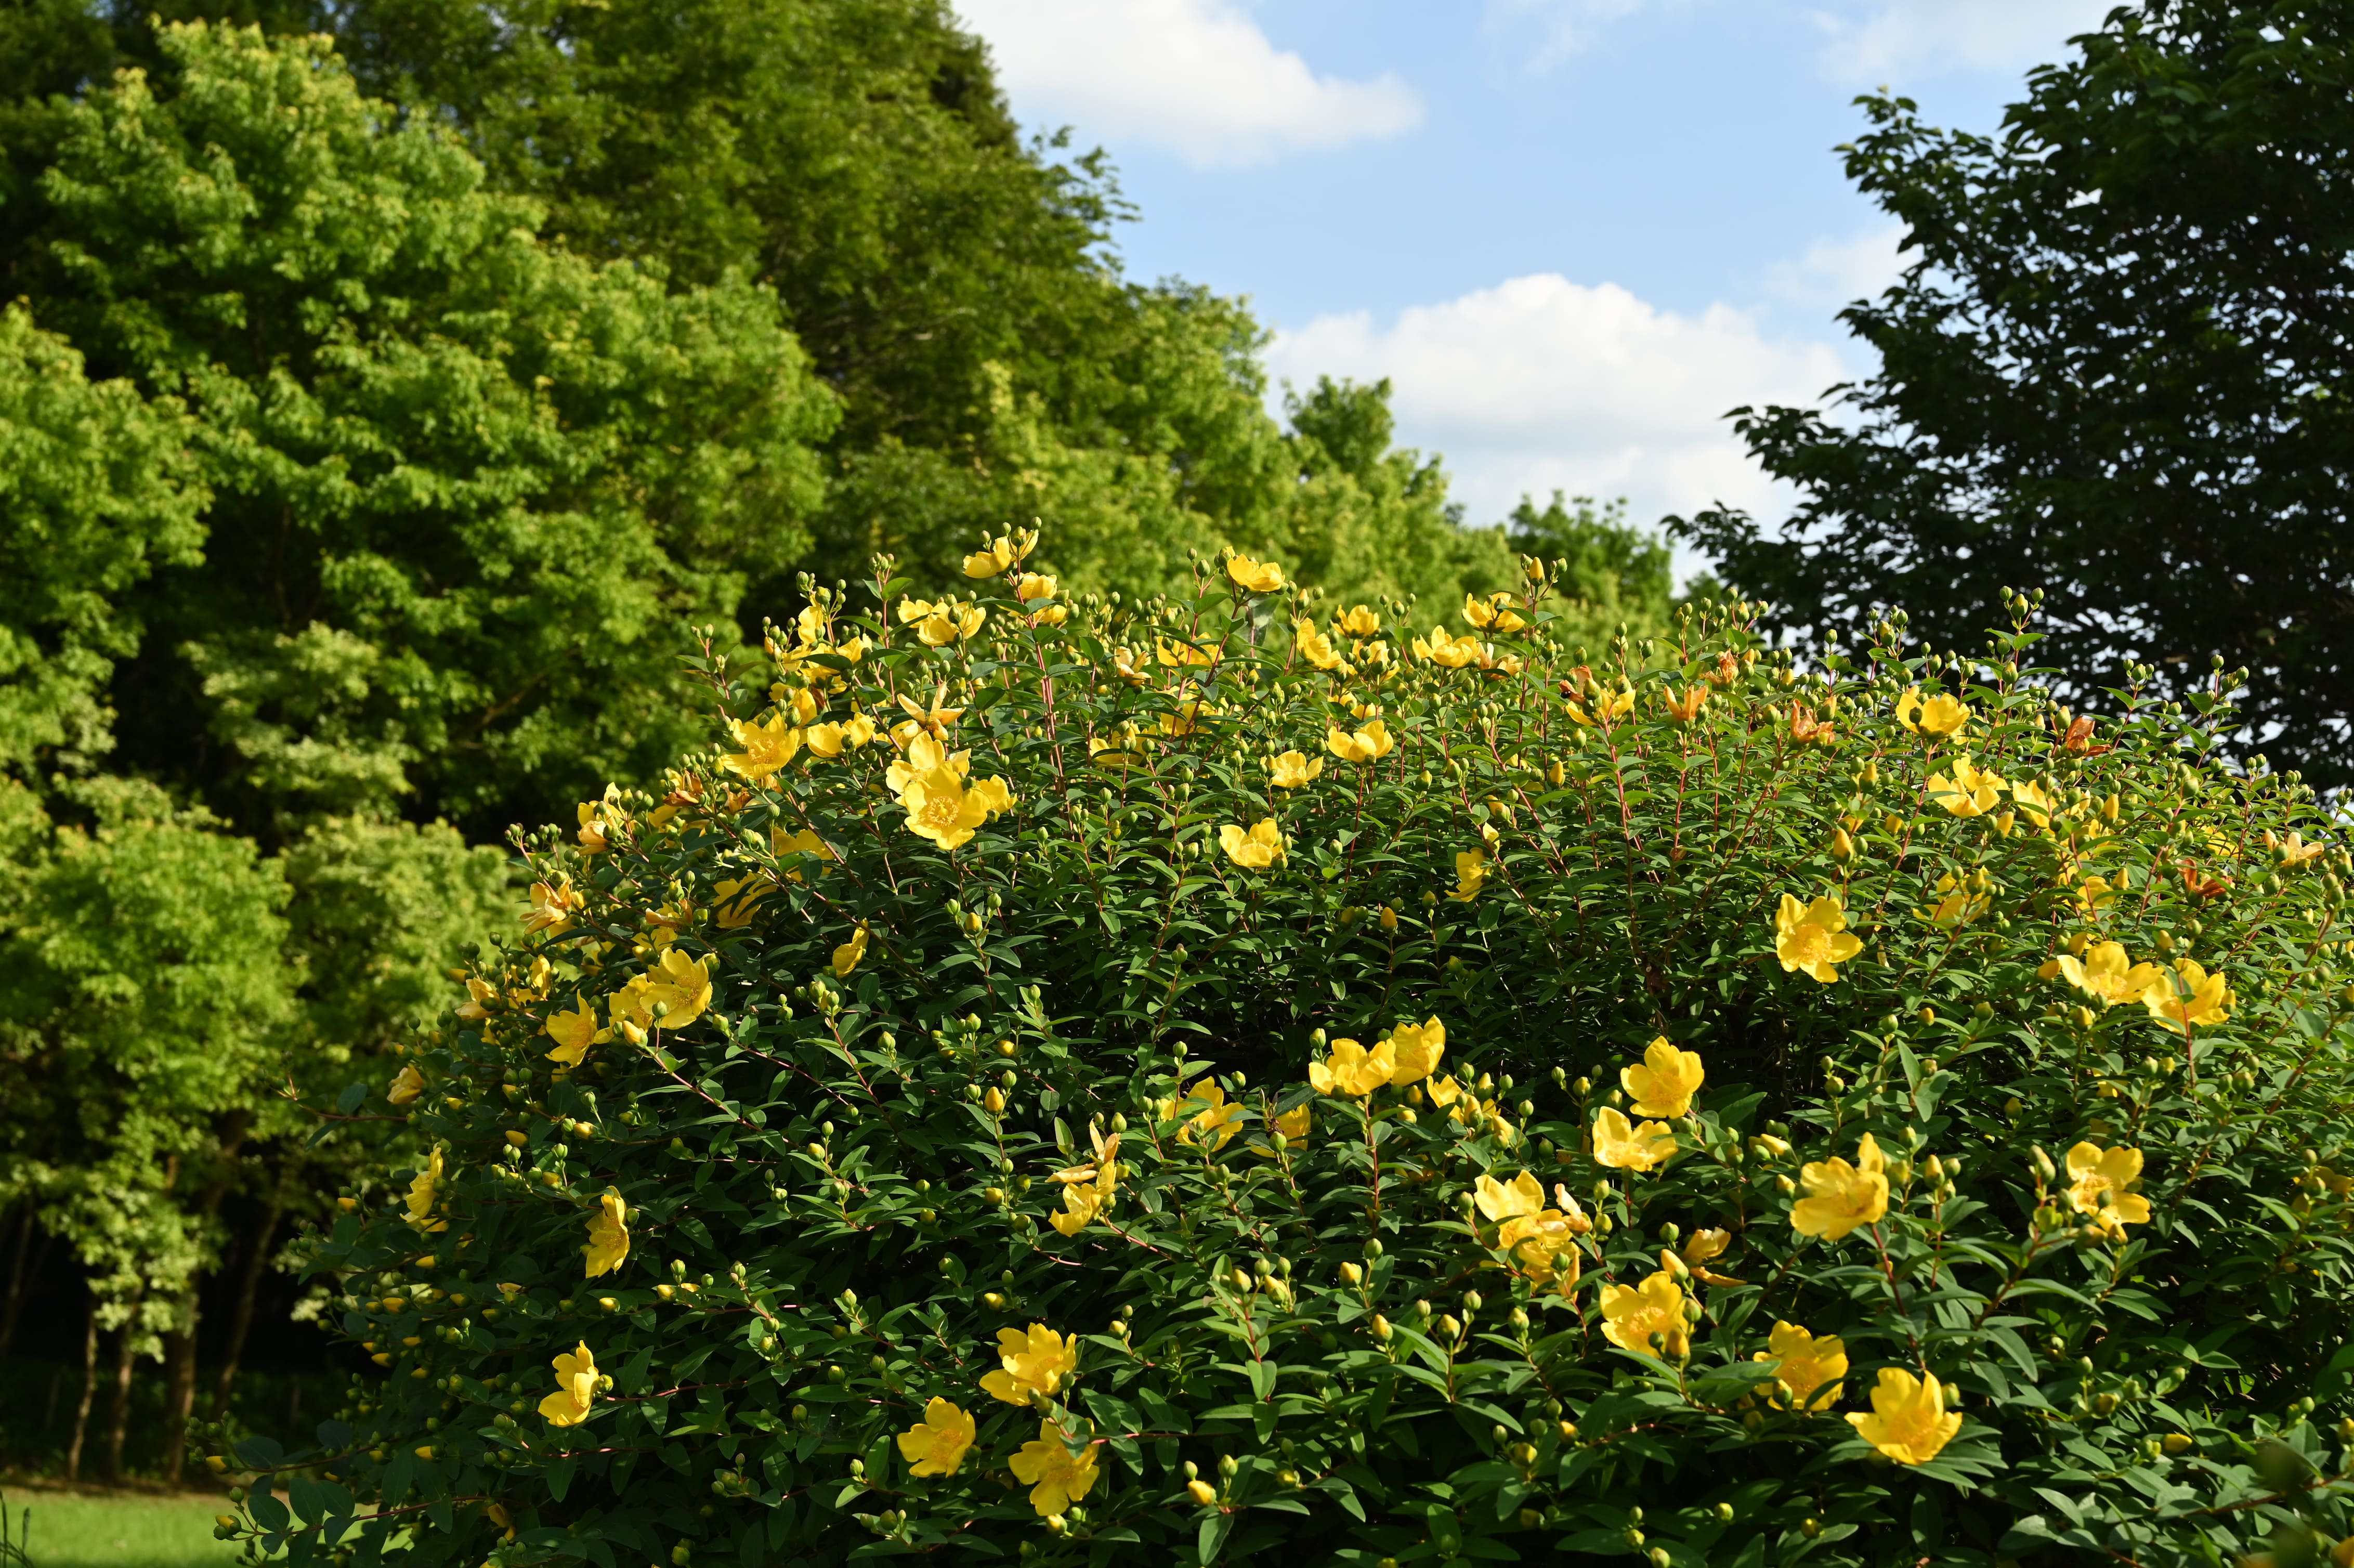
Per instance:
(1202,1492)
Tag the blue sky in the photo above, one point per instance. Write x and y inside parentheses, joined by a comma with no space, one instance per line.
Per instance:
(1572,232)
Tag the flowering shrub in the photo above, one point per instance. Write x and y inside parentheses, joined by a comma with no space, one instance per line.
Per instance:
(1099,1083)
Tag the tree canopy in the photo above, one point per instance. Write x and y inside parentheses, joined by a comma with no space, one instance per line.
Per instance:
(2113,371)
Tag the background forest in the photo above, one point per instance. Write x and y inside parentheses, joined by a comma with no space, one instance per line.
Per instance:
(385,389)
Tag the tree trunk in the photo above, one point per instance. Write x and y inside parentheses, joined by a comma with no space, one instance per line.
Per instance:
(255,1262)
(118,1416)
(179,1388)
(88,1392)
(15,1300)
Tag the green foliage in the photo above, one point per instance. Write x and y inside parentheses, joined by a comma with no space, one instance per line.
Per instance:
(1297,1329)
(2112,372)
(146,1002)
(463,484)
(96,486)
(958,290)
(381,913)
(1625,575)
(1370,521)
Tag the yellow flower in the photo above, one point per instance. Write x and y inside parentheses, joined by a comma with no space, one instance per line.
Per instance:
(846,957)
(1808,1364)
(2189,996)
(575,1388)
(1218,1122)
(1103,1170)
(1443,649)
(1492,613)
(2101,1183)
(1544,1244)
(553,905)
(406,1085)
(1367,744)
(988,563)
(996,796)
(1361,621)
(1256,850)
(1813,938)
(1685,708)
(609,1235)
(2103,974)
(827,740)
(931,788)
(678,985)
(479,991)
(805,705)
(2295,851)
(2031,799)
(421,1193)
(936,1446)
(1035,1363)
(1970,792)
(782,843)
(935,719)
(1623,1146)
(948,622)
(574,1033)
(1608,706)
(2094,896)
(1314,646)
(1471,874)
(1909,1421)
(1664,1082)
(1293,1124)
(1633,1315)
(1253,577)
(1418,1048)
(1704,1245)
(1188,716)
(1500,1202)
(1938,718)
(1185,655)
(1841,1196)
(1032,587)
(737,899)
(1350,1069)
(1080,1205)
(1296,769)
(767,748)
(1957,908)
(1056,1477)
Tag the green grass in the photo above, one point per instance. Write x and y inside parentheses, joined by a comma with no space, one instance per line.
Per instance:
(121,1529)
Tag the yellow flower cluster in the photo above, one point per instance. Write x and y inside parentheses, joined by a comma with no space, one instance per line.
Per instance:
(943,804)
(1087,1189)
(1541,1239)
(2180,998)
(1407,1054)
(1058,1468)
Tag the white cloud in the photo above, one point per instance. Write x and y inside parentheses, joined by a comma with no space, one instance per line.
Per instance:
(1561,27)
(1197,75)
(1900,37)
(1834,271)
(1540,384)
